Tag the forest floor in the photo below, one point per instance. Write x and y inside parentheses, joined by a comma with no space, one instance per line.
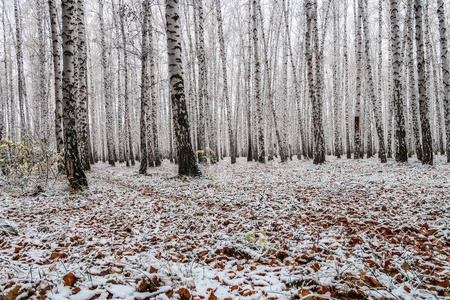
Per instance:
(344,230)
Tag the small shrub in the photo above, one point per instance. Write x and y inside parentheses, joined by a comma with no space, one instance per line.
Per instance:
(28,162)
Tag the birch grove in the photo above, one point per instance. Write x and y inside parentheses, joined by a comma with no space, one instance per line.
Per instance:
(199,81)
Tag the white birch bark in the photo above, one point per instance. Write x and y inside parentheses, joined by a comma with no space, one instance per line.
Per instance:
(427,148)
(346,87)
(319,140)
(56,54)
(445,58)
(336,102)
(108,105)
(187,164)
(371,86)
(20,71)
(153,104)
(82,109)
(74,171)
(44,132)
(258,100)
(357,118)
(130,153)
(401,153)
(202,81)
(412,84)
(225,82)
(145,86)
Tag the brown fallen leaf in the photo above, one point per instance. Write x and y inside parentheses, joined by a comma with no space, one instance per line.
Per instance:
(282,255)
(304,292)
(56,255)
(372,282)
(405,266)
(212,296)
(12,295)
(70,279)
(323,289)
(184,294)
(169,293)
(444,284)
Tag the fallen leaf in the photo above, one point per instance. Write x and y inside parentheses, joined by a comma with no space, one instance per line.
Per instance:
(184,294)
(70,279)
(371,281)
(12,294)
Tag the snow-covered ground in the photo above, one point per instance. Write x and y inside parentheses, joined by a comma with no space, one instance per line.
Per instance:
(345,230)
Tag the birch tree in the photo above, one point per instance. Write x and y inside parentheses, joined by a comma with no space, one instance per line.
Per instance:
(427,148)
(108,105)
(44,131)
(336,103)
(346,85)
(202,81)
(248,85)
(145,81)
(130,153)
(371,88)
(83,102)
(401,153)
(74,170)
(257,79)
(223,57)
(301,137)
(412,83)
(20,69)
(8,90)
(357,120)
(314,78)
(56,54)
(187,164)
(445,57)
(152,115)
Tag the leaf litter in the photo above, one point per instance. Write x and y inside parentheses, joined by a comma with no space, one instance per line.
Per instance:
(344,230)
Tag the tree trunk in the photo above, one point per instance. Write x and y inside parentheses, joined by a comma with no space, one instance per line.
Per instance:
(75,174)
(445,57)
(318,133)
(126,96)
(57,73)
(8,92)
(20,70)
(259,105)
(336,102)
(44,132)
(145,80)
(284,149)
(187,164)
(371,88)
(225,82)
(269,83)
(202,82)
(412,84)
(427,147)
(301,137)
(248,84)
(107,90)
(153,98)
(401,153)
(346,84)
(357,120)
(83,120)
(310,67)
